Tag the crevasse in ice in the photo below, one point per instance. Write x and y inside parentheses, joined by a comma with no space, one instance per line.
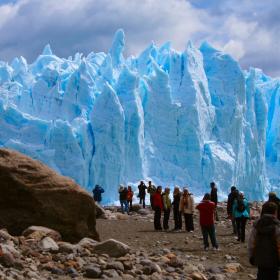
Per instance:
(184,118)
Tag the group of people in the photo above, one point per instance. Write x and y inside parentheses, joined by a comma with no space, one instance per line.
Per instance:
(264,239)
(183,205)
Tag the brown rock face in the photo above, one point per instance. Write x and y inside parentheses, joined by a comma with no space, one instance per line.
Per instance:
(33,194)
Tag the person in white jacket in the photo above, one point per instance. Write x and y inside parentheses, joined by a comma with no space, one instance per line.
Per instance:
(187,208)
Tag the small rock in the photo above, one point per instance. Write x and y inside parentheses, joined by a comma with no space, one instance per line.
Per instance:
(65,247)
(150,267)
(87,243)
(38,232)
(115,265)
(143,212)
(122,217)
(111,247)
(233,267)
(7,259)
(48,244)
(57,271)
(198,276)
(92,271)
(112,273)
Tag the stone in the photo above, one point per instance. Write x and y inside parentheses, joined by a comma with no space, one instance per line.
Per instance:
(57,271)
(143,212)
(92,271)
(38,232)
(7,259)
(87,243)
(175,262)
(233,267)
(48,244)
(122,217)
(198,276)
(150,267)
(72,271)
(65,247)
(111,247)
(46,199)
(4,235)
(100,211)
(115,265)
(112,273)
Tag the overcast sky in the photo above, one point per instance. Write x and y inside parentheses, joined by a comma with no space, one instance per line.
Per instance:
(247,29)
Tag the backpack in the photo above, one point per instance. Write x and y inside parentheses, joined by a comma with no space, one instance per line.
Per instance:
(240,205)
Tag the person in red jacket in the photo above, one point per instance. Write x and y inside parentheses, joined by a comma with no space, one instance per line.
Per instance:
(157,207)
(206,218)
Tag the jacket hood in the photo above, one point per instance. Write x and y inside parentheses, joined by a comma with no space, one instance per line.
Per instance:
(266,224)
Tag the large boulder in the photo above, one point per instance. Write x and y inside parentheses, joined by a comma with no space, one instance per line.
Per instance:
(33,194)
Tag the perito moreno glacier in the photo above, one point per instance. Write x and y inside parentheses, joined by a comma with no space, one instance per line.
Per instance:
(184,118)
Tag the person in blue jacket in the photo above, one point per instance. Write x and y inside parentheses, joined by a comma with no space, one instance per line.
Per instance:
(241,213)
(97,191)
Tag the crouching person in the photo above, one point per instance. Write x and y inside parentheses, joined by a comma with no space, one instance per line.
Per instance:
(264,243)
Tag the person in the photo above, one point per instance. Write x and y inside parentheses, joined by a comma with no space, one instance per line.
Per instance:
(231,197)
(158,207)
(142,193)
(214,197)
(241,213)
(206,210)
(176,209)
(151,190)
(272,197)
(129,197)
(123,199)
(187,208)
(97,191)
(166,207)
(264,243)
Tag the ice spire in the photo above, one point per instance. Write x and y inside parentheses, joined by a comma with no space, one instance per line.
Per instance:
(116,50)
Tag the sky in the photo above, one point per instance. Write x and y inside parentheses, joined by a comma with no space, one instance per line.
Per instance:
(249,30)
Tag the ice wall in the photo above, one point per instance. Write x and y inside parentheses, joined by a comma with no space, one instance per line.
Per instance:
(184,118)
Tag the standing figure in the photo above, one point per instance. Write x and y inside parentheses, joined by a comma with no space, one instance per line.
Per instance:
(206,218)
(214,197)
(129,197)
(231,197)
(264,243)
(166,207)
(158,207)
(187,208)
(151,190)
(97,191)
(142,193)
(241,213)
(272,197)
(176,209)
(123,199)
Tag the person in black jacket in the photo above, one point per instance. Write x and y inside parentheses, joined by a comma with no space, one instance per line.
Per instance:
(264,243)
(123,199)
(176,212)
(272,197)
(142,193)
(231,197)
(97,191)
(214,197)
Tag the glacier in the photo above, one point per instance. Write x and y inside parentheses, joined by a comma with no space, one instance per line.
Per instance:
(177,118)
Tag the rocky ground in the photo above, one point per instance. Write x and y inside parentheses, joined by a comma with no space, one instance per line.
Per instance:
(141,253)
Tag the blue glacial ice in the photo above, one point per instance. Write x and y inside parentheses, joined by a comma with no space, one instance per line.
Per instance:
(184,118)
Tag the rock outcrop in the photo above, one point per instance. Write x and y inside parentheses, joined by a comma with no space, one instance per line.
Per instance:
(33,194)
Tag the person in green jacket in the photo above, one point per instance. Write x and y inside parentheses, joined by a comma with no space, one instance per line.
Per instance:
(166,207)
(241,213)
